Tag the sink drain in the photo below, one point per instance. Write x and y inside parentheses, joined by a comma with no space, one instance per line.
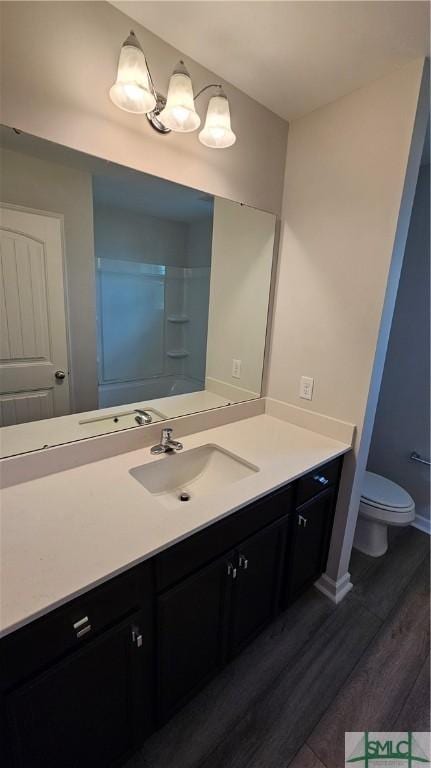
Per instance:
(184,496)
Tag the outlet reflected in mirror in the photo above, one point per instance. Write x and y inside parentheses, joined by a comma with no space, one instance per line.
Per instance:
(144,294)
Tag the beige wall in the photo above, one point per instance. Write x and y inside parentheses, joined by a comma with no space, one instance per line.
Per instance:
(242,250)
(345,174)
(51,187)
(59,61)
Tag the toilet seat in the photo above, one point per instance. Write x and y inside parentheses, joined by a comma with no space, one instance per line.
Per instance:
(382,493)
(387,508)
(385,502)
(386,514)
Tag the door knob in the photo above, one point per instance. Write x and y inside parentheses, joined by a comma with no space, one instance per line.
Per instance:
(60,375)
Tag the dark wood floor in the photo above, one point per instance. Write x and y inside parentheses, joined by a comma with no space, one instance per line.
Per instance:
(319,671)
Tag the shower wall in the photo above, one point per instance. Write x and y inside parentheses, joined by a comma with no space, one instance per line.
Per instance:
(153,287)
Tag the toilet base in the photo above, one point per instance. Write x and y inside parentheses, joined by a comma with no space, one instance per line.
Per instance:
(371,537)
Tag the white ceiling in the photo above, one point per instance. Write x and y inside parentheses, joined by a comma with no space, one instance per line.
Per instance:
(291,56)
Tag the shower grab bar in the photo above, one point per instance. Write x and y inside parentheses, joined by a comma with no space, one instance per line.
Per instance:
(417,457)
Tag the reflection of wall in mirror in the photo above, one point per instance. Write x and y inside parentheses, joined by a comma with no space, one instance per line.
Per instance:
(242,252)
(39,184)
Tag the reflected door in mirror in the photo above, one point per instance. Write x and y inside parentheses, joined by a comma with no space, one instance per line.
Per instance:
(34,353)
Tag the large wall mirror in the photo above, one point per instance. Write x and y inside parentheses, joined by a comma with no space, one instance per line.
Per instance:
(125,299)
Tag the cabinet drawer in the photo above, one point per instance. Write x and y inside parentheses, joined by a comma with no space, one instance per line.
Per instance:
(318,480)
(186,557)
(46,639)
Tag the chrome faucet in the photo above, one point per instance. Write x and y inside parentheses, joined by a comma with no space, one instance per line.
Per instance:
(167,445)
(142,417)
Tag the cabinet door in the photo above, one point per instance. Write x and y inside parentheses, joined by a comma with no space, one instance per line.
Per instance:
(311,528)
(256,587)
(84,711)
(191,621)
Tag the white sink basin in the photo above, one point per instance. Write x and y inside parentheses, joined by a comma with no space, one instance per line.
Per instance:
(195,473)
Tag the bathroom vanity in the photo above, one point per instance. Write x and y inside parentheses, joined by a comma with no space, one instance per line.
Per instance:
(128,580)
(87,681)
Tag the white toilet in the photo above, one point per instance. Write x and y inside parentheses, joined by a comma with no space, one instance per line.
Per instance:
(382,503)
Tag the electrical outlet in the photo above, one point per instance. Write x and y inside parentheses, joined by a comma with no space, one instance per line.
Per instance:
(236,369)
(306,388)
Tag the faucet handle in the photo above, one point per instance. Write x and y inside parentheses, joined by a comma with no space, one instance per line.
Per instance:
(166,435)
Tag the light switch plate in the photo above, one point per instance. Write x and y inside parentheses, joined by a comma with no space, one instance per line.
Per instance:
(306,388)
(236,369)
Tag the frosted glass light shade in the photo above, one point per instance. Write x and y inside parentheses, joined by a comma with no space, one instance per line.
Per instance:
(217,132)
(179,113)
(132,91)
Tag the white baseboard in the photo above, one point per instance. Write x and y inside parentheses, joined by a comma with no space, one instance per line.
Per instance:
(422,524)
(335,590)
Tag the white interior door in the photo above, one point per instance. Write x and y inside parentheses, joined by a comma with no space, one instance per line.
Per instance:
(33,351)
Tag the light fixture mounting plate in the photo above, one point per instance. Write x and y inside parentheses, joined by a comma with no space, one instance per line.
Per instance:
(153,117)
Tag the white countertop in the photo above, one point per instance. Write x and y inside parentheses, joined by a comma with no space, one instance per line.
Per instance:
(65,533)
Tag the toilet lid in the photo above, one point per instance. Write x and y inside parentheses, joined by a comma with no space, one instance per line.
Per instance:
(382,492)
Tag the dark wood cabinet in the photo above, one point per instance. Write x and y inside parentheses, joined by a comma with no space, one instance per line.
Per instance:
(209,616)
(223,588)
(85,710)
(256,587)
(311,527)
(77,685)
(85,684)
(191,630)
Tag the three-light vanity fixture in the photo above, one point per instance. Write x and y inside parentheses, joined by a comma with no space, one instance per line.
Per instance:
(134,91)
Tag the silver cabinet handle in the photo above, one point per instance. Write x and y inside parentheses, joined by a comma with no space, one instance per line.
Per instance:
(243,562)
(60,375)
(302,521)
(321,479)
(80,622)
(231,570)
(83,631)
(82,627)
(136,637)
